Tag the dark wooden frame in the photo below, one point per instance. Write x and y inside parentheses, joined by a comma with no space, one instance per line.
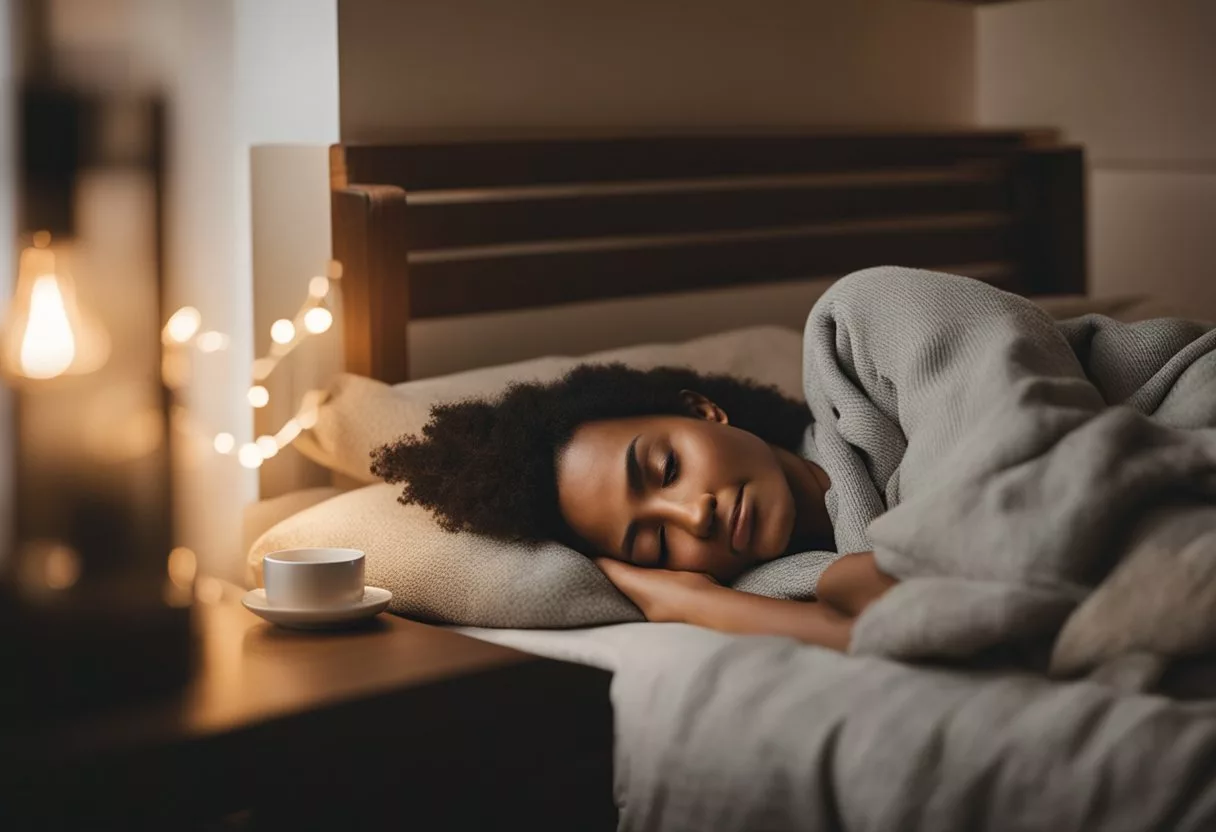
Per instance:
(427,230)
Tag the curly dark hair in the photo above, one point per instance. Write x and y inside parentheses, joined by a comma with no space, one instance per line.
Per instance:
(490,466)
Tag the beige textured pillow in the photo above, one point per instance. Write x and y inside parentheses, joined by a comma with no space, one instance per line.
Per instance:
(459,578)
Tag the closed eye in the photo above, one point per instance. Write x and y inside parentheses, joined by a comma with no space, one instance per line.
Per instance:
(671,469)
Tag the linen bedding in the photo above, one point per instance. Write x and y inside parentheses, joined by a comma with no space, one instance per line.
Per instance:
(1045,492)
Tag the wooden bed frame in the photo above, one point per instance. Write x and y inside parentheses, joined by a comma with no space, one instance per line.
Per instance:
(429,230)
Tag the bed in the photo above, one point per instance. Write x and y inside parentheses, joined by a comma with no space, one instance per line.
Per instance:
(443,230)
(430,231)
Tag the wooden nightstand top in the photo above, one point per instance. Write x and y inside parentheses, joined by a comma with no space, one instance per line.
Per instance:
(270,706)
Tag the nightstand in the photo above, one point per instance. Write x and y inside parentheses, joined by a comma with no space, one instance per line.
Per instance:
(394,724)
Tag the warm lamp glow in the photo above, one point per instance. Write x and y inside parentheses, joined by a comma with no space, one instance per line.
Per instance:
(45,335)
(318,287)
(318,320)
(48,346)
(282,331)
(224,443)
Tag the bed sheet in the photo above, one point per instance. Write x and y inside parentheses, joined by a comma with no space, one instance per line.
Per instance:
(601,647)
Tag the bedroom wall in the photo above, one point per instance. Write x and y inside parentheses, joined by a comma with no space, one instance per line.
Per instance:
(1133,82)
(470,68)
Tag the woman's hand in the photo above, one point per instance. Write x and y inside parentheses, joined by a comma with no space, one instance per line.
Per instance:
(661,594)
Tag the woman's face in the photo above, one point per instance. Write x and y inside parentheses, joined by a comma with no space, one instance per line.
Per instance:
(685,493)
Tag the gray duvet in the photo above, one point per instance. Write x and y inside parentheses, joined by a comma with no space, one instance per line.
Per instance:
(1046,493)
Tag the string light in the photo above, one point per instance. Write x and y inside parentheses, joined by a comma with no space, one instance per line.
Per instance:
(263,367)
(318,319)
(212,341)
(183,325)
(288,433)
(282,331)
(249,455)
(267,446)
(258,396)
(313,318)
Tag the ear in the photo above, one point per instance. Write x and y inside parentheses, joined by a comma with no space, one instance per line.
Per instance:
(703,408)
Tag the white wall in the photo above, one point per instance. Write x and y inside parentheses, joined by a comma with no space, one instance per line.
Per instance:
(469,68)
(1132,81)
(267,73)
(417,66)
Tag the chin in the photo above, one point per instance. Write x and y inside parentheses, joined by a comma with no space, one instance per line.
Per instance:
(777,531)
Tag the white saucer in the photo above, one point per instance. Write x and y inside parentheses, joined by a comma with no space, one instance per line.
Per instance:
(374,602)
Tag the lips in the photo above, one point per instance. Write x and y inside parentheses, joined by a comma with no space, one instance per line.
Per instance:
(741,522)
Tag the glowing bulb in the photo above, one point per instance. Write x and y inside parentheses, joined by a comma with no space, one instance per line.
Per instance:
(48,346)
(183,324)
(318,319)
(212,341)
(267,446)
(44,333)
(318,287)
(249,455)
(259,396)
(308,418)
(224,443)
(282,331)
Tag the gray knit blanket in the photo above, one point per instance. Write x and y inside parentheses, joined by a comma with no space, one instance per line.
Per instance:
(1045,493)
(1042,490)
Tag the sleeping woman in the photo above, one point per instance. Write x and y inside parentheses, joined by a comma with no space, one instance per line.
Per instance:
(676,482)
(977,465)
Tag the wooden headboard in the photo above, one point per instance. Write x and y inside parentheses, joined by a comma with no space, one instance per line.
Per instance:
(427,230)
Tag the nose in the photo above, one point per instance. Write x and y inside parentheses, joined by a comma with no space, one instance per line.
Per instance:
(694,515)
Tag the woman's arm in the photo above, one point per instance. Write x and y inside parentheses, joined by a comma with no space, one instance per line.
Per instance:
(846,588)
(731,611)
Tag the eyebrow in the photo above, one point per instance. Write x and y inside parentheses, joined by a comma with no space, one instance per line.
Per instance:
(633,475)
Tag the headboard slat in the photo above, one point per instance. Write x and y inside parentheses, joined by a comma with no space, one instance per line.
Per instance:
(492,220)
(438,166)
(546,276)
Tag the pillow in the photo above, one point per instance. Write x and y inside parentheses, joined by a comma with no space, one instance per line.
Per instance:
(456,578)
(360,414)
(464,578)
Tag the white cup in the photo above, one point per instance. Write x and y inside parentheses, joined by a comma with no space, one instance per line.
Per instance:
(313,578)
